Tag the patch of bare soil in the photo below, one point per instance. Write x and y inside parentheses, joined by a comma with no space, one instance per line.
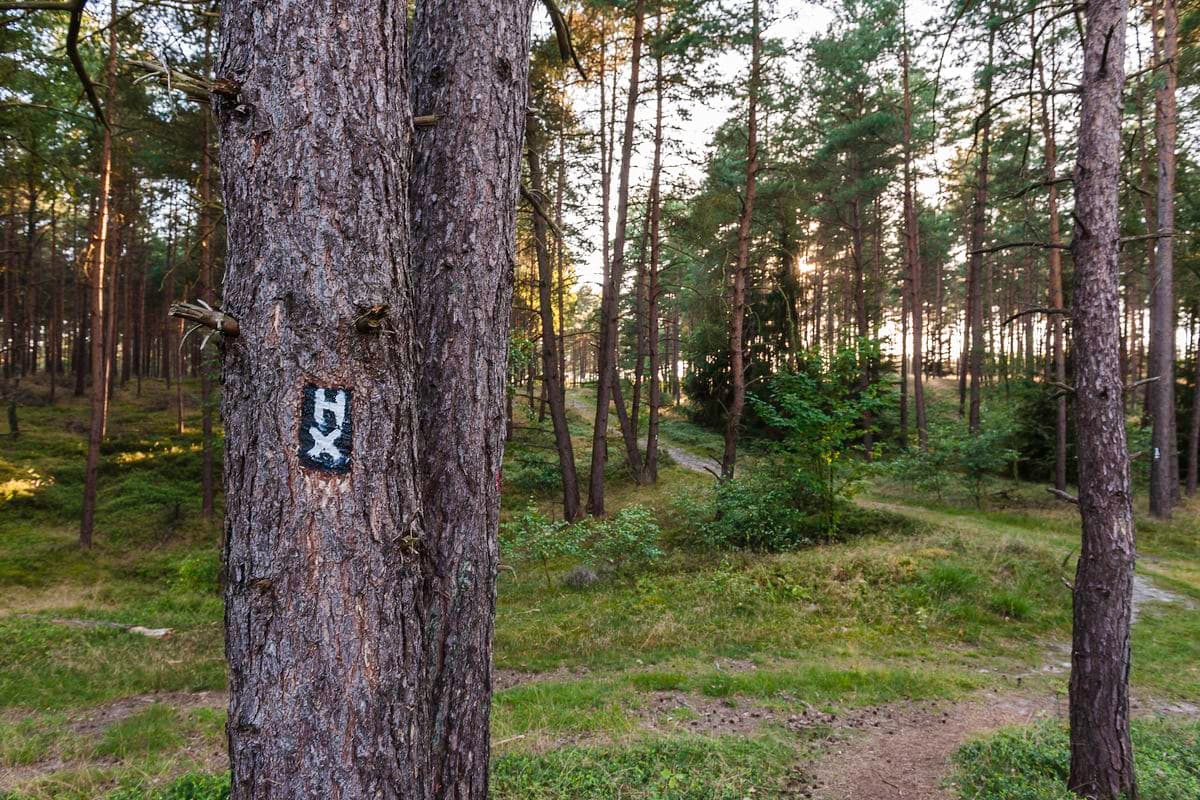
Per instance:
(98,719)
(508,678)
(906,752)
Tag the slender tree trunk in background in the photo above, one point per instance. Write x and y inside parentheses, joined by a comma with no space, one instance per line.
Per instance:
(606,387)
(1193,456)
(470,64)
(204,222)
(912,252)
(1058,361)
(737,370)
(99,247)
(1164,460)
(595,504)
(324,632)
(1101,753)
(641,328)
(652,289)
(978,229)
(54,328)
(560,252)
(552,379)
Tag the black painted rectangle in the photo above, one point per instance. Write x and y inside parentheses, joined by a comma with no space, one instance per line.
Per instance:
(326,428)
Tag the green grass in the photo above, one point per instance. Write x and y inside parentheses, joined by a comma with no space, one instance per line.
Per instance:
(679,768)
(1033,763)
(934,608)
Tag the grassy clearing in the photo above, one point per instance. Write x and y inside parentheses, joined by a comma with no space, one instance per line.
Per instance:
(1032,763)
(934,609)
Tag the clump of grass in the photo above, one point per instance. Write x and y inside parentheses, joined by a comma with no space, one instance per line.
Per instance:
(680,768)
(155,730)
(1032,763)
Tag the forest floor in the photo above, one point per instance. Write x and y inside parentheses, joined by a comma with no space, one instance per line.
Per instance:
(847,671)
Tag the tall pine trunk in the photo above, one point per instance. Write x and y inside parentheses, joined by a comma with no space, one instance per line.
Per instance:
(553,383)
(1101,753)
(470,65)
(737,370)
(912,252)
(99,311)
(1164,460)
(607,387)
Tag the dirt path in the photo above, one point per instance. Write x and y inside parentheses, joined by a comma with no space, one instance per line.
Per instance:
(681,456)
(910,755)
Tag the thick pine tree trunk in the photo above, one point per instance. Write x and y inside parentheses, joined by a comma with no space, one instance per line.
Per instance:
(1101,753)
(470,64)
(1164,460)
(324,634)
(737,374)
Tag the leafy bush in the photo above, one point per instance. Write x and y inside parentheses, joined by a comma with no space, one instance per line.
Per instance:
(955,453)
(1032,763)
(759,512)
(627,540)
(818,412)
(623,542)
(532,536)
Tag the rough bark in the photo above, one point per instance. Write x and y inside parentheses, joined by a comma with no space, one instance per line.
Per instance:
(470,65)
(1164,461)
(1101,753)
(1193,445)
(737,375)
(323,626)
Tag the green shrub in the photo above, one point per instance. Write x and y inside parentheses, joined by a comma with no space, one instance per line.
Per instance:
(532,536)
(628,540)
(759,512)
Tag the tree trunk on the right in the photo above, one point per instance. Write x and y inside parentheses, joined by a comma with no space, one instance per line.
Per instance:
(1101,751)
